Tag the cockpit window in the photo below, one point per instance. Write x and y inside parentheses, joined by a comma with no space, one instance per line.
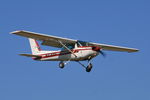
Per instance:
(68,46)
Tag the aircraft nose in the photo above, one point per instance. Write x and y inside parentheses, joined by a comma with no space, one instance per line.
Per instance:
(96,48)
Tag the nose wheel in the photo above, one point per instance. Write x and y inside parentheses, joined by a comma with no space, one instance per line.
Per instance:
(89,67)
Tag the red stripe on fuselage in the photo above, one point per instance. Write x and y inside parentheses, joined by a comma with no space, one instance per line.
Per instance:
(47,55)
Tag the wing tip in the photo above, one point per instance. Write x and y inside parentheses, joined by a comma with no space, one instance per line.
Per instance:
(15,32)
(134,50)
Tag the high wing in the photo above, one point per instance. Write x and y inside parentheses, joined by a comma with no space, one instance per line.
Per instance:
(49,40)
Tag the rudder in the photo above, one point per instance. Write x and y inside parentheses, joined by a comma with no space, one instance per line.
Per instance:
(35,48)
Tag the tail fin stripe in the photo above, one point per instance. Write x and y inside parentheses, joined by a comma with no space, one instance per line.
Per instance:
(37,45)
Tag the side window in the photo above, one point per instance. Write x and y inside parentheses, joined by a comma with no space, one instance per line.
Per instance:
(68,46)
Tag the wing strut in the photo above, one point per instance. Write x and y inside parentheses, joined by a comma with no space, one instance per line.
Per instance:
(67,48)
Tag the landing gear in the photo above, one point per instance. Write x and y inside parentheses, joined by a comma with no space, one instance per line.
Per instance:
(89,67)
(61,65)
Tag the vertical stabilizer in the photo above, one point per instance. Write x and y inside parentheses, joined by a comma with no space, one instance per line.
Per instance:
(35,48)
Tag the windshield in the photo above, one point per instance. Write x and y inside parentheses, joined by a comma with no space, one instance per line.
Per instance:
(82,43)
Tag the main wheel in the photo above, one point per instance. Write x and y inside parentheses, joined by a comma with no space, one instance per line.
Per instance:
(89,67)
(61,65)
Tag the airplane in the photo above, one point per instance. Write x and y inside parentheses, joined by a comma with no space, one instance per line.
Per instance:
(71,50)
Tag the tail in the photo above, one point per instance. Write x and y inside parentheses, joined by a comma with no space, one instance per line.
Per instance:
(35,48)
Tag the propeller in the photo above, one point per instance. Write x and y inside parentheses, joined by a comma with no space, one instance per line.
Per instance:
(98,49)
(102,53)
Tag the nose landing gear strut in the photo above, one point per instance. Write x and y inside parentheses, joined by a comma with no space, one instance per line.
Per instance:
(88,67)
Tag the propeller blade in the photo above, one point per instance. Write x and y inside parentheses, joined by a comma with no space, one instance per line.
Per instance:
(102,53)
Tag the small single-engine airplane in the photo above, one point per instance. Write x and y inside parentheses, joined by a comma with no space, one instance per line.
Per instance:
(72,50)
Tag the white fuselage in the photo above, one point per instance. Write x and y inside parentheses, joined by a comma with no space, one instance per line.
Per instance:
(82,53)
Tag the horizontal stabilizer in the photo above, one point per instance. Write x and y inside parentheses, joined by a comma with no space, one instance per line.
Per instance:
(29,55)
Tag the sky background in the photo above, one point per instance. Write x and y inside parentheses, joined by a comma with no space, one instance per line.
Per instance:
(119,76)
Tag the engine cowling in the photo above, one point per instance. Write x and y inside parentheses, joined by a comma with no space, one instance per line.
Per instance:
(95,48)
